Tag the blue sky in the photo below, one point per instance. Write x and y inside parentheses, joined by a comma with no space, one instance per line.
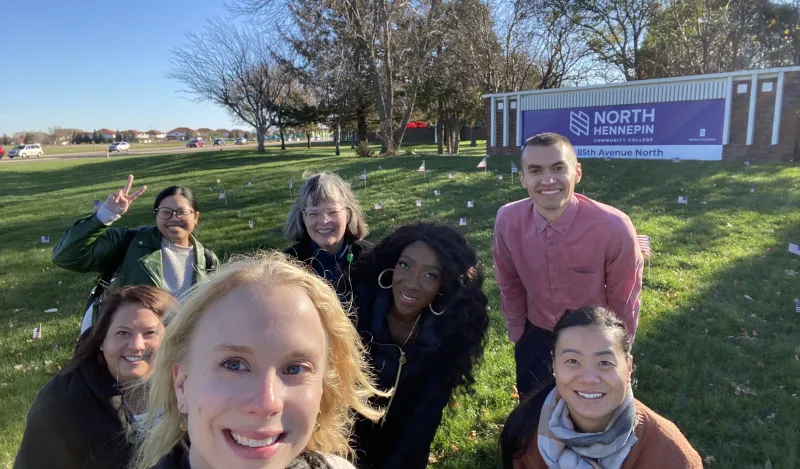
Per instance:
(90,64)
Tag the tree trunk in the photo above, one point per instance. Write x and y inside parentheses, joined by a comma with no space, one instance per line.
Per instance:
(260,137)
(337,135)
(362,123)
(283,140)
(447,132)
(473,142)
(440,132)
(308,139)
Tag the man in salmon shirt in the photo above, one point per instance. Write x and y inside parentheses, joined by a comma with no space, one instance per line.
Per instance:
(558,250)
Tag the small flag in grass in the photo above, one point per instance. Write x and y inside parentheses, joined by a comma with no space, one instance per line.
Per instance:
(291,183)
(210,189)
(380,167)
(513,168)
(644,244)
(606,158)
(437,193)
(683,200)
(251,224)
(462,222)
(422,167)
(363,176)
(470,204)
(794,248)
(500,176)
(797,305)
(747,162)
(44,239)
(222,195)
(452,176)
(218,181)
(419,203)
(239,214)
(752,189)
(249,184)
(482,164)
(676,160)
(97,205)
(37,332)
(378,206)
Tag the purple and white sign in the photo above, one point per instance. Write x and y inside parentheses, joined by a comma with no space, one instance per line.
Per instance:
(690,130)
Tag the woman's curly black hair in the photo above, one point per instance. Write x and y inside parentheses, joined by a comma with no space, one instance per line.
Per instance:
(465,316)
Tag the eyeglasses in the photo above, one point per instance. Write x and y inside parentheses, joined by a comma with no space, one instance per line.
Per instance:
(165,213)
(313,215)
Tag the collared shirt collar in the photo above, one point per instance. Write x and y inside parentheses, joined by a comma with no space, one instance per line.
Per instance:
(563,222)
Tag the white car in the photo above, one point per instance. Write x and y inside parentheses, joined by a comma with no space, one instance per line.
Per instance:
(24,151)
(240,141)
(119,146)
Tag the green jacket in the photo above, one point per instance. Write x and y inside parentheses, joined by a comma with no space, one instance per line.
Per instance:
(88,246)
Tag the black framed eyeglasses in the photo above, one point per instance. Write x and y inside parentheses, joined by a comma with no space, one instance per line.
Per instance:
(165,213)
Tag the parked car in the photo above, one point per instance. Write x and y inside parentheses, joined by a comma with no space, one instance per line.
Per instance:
(24,151)
(196,143)
(219,141)
(119,146)
(2,152)
(240,141)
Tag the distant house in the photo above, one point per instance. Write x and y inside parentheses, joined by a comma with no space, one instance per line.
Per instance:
(236,133)
(106,133)
(156,135)
(139,135)
(224,133)
(203,132)
(180,133)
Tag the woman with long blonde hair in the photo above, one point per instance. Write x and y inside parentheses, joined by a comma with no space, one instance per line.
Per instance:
(260,367)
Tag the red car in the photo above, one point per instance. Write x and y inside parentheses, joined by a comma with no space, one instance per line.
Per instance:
(196,143)
(2,151)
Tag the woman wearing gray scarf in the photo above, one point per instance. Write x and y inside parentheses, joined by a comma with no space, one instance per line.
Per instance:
(591,420)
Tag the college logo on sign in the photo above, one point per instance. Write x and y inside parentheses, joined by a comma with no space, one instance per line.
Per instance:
(579,123)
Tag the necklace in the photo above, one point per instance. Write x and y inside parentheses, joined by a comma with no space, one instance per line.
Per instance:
(413,328)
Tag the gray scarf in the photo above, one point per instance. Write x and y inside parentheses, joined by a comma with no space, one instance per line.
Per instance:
(562,447)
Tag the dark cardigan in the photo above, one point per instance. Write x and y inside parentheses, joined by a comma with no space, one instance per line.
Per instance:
(76,422)
(304,252)
(423,386)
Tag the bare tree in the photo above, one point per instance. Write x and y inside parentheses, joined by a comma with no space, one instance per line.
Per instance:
(232,66)
(614,30)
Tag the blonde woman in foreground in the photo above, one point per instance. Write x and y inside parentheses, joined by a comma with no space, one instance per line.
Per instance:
(260,368)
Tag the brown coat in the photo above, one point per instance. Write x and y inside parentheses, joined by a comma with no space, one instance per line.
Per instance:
(660,445)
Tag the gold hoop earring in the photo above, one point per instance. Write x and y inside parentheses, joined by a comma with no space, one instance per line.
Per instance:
(380,276)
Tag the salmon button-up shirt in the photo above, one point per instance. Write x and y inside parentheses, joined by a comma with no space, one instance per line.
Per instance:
(587,257)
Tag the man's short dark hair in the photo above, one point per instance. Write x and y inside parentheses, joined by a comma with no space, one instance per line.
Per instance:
(548,139)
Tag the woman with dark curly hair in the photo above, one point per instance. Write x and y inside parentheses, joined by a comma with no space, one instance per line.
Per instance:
(422,316)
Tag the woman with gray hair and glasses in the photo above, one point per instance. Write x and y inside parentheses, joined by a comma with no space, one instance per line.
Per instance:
(328,227)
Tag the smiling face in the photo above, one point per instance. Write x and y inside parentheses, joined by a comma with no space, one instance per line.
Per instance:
(326,224)
(132,338)
(550,173)
(251,384)
(175,230)
(592,375)
(416,280)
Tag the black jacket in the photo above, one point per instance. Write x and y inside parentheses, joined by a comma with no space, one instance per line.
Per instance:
(423,385)
(304,252)
(76,422)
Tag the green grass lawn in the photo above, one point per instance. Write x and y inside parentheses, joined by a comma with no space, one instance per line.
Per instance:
(718,347)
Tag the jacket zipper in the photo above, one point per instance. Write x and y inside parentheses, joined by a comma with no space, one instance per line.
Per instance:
(396,380)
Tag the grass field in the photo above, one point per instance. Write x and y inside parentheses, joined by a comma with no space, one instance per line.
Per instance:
(718,347)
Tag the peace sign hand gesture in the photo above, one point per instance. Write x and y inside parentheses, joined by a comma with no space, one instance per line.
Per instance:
(119,201)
